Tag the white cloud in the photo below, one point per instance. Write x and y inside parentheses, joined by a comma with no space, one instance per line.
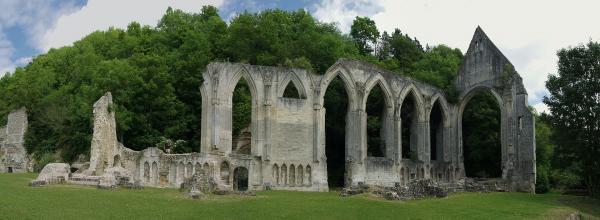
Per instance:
(103,14)
(33,17)
(6,52)
(343,12)
(528,32)
(541,107)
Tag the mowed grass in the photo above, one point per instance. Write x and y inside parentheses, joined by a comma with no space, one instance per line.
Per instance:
(19,201)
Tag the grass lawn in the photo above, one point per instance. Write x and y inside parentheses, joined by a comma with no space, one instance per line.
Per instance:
(19,201)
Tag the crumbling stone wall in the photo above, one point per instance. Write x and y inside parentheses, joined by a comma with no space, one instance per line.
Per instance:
(13,156)
(105,146)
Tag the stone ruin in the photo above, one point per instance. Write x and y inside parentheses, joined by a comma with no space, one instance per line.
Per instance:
(13,155)
(286,137)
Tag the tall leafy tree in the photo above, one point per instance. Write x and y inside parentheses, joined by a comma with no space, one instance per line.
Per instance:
(365,34)
(574,102)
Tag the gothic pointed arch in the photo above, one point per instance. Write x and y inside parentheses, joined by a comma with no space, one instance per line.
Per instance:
(292,81)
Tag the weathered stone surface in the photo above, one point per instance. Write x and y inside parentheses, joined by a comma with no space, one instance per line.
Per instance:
(105,147)
(198,185)
(13,155)
(483,185)
(52,173)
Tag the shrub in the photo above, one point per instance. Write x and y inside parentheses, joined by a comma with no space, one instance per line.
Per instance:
(542,181)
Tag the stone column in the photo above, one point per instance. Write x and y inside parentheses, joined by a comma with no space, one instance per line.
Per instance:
(398,135)
(268,102)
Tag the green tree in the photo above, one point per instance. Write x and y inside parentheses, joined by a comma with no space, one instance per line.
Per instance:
(574,102)
(543,153)
(365,34)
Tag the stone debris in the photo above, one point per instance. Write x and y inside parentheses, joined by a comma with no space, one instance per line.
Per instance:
(416,189)
(481,185)
(51,174)
(354,190)
(198,185)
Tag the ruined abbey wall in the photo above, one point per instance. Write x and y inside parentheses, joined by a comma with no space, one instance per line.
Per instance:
(13,156)
(287,135)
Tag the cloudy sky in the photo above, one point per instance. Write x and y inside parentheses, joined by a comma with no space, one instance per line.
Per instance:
(528,32)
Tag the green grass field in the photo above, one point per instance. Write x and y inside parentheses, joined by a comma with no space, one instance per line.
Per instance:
(19,201)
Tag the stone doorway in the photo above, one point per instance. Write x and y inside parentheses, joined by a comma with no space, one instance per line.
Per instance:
(240,179)
(10,169)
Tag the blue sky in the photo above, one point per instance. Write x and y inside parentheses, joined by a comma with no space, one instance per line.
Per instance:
(528,32)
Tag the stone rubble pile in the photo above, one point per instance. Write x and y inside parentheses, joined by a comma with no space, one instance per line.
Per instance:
(198,185)
(416,189)
(474,185)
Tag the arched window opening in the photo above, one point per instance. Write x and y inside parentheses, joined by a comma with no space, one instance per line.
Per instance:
(276,174)
(206,169)
(291,91)
(180,172)
(300,179)
(154,175)
(190,170)
(197,168)
(284,180)
(481,136)
(241,107)
(292,178)
(409,117)
(336,110)
(225,173)
(308,175)
(375,109)
(117,161)
(147,172)
(436,132)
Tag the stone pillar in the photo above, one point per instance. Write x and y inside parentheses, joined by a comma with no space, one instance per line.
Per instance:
(104,140)
(13,157)
(398,135)
(268,102)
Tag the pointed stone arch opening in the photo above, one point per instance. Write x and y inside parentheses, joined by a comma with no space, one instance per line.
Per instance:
(242,112)
(480,133)
(284,172)
(292,87)
(378,108)
(300,179)
(224,171)
(437,123)
(276,174)
(154,175)
(410,116)
(147,171)
(337,108)
(292,175)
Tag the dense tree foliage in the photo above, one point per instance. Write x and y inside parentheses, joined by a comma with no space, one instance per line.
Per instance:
(543,154)
(365,34)
(154,74)
(574,101)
